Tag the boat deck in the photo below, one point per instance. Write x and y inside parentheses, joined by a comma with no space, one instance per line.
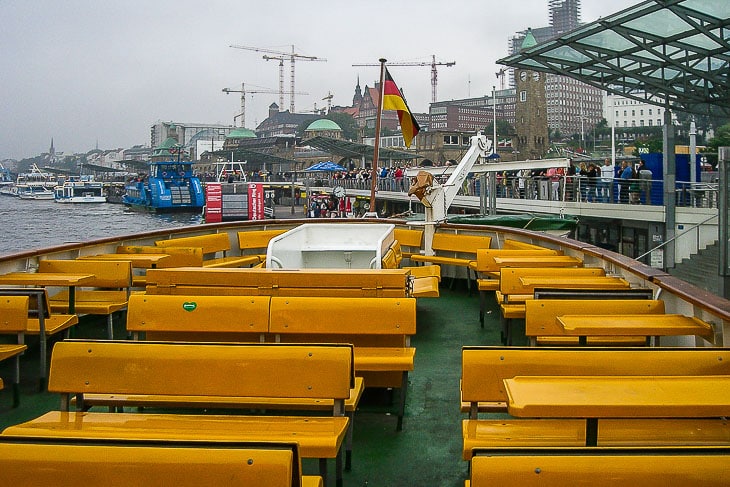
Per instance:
(426,452)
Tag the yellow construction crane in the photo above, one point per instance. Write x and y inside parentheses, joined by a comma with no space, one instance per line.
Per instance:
(243,91)
(434,72)
(291,56)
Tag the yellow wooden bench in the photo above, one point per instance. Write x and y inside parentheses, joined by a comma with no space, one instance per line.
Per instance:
(541,326)
(650,327)
(198,318)
(198,375)
(225,319)
(116,462)
(512,244)
(424,279)
(177,257)
(379,328)
(387,283)
(455,249)
(256,241)
(514,291)
(600,467)
(106,294)
(39,321)
(13,319)
(212,245)
(487,271)
(484,370)
(411,239)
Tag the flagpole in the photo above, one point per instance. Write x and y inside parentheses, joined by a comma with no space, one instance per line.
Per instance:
(374,177)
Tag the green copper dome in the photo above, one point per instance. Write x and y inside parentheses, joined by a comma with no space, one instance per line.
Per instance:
(241,133)
(323,124)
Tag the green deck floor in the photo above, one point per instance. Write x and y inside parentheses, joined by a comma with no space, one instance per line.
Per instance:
(428,450)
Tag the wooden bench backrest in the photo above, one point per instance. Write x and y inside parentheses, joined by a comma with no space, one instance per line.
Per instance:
(484,368)
(600,467)
(541,314)
(107,274)
(13,314)
(485,257)
(279,282)
(512,244)
(257,239)
(378,322)
(210,243)
(198,314)
(459,243)
(65,463)
(509,277)
(178,256)
(409,238)
(369,316)
(202,369)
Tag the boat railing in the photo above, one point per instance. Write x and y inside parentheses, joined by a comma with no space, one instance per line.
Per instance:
(575,189)
(694,229)
(681,297)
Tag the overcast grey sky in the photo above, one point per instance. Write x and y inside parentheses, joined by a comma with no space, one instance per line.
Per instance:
(96,71)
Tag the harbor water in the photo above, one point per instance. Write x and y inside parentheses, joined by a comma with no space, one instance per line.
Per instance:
(31,224)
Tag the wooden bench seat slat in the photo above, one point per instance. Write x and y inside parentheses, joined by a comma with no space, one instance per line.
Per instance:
(318,437)
(66,463)
(599,468)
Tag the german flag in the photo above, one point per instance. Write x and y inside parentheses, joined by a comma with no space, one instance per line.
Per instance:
(393,100)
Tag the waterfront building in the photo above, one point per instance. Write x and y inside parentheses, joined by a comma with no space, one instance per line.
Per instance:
(472,114)
(628,112)
(281,123)
(573,107)
(187,134)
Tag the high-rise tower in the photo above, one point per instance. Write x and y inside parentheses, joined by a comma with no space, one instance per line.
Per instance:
(564,15)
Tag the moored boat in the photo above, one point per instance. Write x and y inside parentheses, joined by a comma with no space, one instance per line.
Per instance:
(169,186)
(35,185)
(80,189)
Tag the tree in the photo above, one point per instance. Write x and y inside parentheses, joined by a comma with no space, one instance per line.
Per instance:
(721,138)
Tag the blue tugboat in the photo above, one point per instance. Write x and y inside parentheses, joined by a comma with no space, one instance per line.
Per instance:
(169,186)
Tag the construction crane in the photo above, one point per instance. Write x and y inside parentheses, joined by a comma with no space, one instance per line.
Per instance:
(243,91)
(434,72)
(281,76)
(329,101)
(500,76)
(291,56)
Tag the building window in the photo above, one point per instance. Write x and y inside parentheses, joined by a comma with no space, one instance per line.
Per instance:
(523,95)
(451,140)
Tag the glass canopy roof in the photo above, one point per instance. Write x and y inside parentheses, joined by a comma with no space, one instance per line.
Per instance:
(673,53)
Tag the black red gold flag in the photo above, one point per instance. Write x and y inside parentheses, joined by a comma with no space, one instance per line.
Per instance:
(393,100)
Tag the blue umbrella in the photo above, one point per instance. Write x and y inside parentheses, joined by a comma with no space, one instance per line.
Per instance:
(325,166)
